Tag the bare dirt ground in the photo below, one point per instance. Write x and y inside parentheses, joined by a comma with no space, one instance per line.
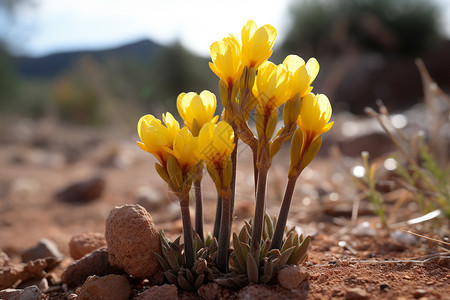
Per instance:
(39,159)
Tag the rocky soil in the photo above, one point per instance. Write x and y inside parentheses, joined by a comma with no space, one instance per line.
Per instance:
(58,185)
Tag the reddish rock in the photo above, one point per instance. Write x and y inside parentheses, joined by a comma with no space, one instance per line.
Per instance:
(110,287)
(291,276)
(132,239)
(11,274)
(84,243)
(95,263)
(166,292)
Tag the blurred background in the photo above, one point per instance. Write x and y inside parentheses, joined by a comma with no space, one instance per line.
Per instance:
(106,63)
(76,76)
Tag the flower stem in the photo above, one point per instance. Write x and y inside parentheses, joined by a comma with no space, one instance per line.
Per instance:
(224,235)
(187,230)
(233,175)
(255,173)
(258,221)
(198,208)
(284,211)
(218,217)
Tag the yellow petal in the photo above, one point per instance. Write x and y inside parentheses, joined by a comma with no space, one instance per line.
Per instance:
(313,69)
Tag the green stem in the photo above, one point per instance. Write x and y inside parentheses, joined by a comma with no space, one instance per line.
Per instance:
(284,211)
(187,231)
(224,235)
(218,217)
(233,175)
(258,221)
(198,208)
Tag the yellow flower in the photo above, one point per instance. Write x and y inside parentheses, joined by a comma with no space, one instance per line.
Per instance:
(197,110)
(302,75)
(226,60)
(215,142)
(271,85)
(257,43)
(185,149)
(156,138)
(315,112)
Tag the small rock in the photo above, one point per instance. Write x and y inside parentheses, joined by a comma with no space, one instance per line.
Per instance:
(132,239)
(364,229)
(41,283)
(210,291)
(84,243)
(291,276)
(45,248)
(356,294)
(419,293)
(166,292)
(82,192)
(94,263)
(403,238)
(384,286)
(28,293)
(257,291)
(110,287)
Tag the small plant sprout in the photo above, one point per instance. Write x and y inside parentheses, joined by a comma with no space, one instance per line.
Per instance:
(249,84)
(373,195)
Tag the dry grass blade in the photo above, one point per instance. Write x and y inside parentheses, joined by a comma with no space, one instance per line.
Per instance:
(428,238)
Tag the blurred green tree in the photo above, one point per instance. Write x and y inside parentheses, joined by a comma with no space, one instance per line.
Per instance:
(9,80)
(331,27)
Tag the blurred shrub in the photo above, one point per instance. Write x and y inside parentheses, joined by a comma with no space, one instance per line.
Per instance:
(9,81)
(77,95)
(329,27)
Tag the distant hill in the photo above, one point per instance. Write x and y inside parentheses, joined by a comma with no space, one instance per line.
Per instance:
(54,64)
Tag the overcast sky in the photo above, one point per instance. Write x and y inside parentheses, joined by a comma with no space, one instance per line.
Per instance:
(64,25)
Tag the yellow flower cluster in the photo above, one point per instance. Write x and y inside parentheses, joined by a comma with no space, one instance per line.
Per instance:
(201,139)
(248,82)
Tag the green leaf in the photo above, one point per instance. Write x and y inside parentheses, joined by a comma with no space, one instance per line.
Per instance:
(162,262)
(199,281)
(301,252)
(190,277)
(288,242)
(252,269)
(171,277)
(311,152)
(285,256)
(184,284)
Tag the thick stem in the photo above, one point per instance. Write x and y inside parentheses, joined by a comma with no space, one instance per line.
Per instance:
(218,217)
(224,235)
(258,221)
(233,175)
(198,208)
(284,211)
(187,231)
